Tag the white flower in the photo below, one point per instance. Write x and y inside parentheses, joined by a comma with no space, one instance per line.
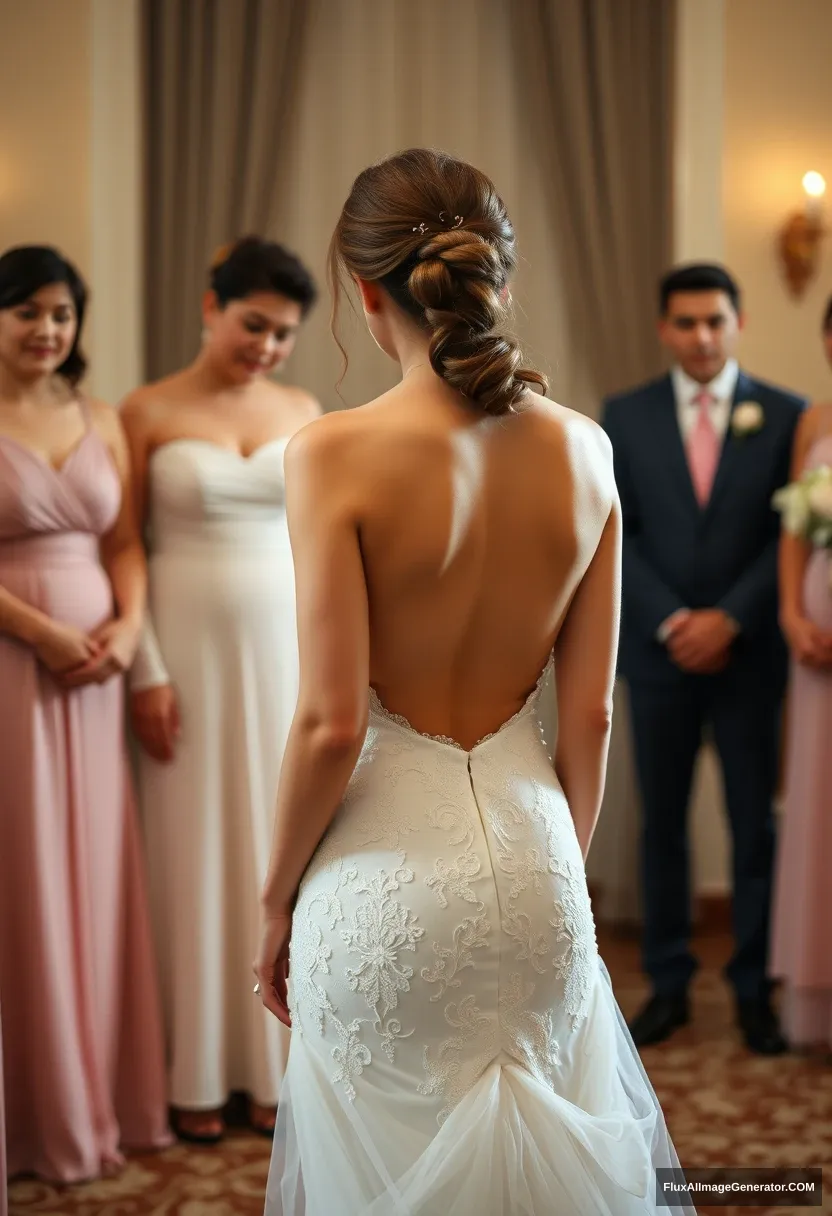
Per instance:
(792,501)
(820,499)
(806,506)
(747,418)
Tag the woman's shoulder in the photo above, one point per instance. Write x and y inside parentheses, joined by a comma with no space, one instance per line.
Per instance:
(584,437)
(815,423)
(303,404)
(148,401)
(818,414)
(102,415)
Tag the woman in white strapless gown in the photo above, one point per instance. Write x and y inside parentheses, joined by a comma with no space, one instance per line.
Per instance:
(215,682)
(427,930)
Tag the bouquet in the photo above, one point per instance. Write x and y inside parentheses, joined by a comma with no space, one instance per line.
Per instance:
(806,507)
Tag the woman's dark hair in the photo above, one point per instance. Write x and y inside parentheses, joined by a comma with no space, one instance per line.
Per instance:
(251,264)
(24,270)
(827,316)
(433,231)
(700,276)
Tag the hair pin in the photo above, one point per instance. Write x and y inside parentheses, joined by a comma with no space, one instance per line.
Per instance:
(421,228)
(458,220)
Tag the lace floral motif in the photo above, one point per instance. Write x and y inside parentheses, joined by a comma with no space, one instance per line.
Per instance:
(531,1032)
(381,927)
(471,935)
(574,927)
(384,818)
(455,879)
(350,1054)
(533,947)
(310,955)
(445,1073)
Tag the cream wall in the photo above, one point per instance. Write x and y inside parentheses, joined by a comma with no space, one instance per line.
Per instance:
(777,125)
(699,234)
(45,99)
(70,160)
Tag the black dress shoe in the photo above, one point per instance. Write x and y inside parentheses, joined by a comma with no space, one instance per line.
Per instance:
(659,1018)
(760,1028)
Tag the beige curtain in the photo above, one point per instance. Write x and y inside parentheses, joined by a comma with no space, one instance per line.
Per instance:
(220,84)
(597,75)
(382,75)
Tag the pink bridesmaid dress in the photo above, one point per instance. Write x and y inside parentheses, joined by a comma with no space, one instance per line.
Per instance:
(82,1038)
(802,917)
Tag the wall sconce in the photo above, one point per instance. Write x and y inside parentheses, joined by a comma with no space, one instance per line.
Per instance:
(801,235)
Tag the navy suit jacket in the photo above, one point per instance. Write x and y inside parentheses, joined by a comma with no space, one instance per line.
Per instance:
(679,555)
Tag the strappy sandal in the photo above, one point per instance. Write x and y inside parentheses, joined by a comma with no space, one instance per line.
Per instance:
(191,1136)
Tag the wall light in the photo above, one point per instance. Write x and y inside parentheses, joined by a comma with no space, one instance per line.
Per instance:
(800,237)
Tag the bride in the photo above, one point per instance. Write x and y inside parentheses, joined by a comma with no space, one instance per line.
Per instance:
(456,1044)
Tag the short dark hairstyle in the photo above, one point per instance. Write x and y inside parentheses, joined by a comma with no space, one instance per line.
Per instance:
(827,316)
(700,276)
(252,264)
(24,270)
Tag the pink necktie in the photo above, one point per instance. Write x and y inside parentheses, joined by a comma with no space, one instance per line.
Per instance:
(703,449)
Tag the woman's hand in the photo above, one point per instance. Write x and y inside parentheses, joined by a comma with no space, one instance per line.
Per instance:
(117,642)
(810,645)
(272,963)
(62,648)
(154,713)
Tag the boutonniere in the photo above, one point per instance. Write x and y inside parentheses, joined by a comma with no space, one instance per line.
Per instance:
(747,419)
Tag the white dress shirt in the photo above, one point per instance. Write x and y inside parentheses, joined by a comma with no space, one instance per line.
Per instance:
(685,390)
(721,388)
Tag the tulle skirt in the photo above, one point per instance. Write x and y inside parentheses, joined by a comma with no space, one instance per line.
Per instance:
(512,1146)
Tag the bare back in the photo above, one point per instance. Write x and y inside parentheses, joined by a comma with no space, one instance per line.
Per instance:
(474,533)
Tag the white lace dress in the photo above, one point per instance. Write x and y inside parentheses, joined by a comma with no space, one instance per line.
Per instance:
(457,1048)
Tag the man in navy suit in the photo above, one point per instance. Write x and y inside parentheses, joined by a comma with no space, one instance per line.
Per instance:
(698,455)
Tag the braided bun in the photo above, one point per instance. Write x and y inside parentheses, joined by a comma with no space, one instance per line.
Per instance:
(458,281)
(452,280)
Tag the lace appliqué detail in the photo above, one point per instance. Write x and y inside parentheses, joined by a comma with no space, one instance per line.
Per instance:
(310,955)
(531,1032)
(471,935)
(444,1072)
(576,965)
(533,947)
(455,879)
(351,1056)
(381,927)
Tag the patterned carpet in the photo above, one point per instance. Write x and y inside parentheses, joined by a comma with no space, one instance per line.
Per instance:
(724,1107)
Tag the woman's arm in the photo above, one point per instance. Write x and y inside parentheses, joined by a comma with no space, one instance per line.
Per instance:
(585,661)
(333,635)
(123,559)
(154,708)
(20,620)
(122,554)
(59,647)
(808,643)
(795,552)
(148,671)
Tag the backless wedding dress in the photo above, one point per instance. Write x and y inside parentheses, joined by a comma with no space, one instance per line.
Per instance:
(456,1047)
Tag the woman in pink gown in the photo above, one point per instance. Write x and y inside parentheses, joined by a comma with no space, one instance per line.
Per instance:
(802,924)
(83,1052)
